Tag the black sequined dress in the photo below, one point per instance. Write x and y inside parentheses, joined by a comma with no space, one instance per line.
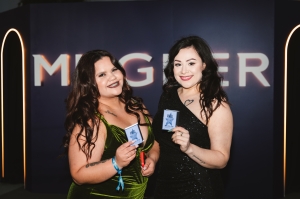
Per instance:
(178,175)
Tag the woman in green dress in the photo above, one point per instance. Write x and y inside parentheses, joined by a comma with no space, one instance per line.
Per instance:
(100,105)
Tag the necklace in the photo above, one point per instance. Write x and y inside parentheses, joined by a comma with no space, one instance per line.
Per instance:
(188,102)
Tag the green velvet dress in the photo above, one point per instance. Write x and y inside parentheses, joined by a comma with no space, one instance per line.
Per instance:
(134,183)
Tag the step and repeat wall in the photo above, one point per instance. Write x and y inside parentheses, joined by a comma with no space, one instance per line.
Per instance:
(139,34)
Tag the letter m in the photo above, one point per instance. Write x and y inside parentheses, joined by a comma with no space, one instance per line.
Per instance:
(40,62)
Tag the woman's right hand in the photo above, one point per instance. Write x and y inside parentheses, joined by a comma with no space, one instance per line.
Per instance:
(125,154)
(181,136)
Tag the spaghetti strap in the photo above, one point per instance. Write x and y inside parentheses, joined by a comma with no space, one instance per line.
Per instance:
(101,117)
(147,119)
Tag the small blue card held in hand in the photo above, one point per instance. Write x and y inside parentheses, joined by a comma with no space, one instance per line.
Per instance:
(170,119)
(133,133)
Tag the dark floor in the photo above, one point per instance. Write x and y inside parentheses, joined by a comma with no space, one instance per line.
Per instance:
(17,191)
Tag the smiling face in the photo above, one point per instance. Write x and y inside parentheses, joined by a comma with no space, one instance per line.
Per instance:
(188,67)
(109,78)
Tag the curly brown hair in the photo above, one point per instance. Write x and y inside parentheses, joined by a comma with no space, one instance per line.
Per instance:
(82,102)
(209,85)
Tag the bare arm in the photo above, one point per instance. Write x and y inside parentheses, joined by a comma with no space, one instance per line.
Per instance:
(154,152)
(152,158)
(220,129)
(93,170)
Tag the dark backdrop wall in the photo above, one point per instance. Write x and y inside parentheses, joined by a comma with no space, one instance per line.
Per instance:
(12,89)
(287,17)
(241,35)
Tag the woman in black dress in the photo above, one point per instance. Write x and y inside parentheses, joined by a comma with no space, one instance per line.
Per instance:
(193,152)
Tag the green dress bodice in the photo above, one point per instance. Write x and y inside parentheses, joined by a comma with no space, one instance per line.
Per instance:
(135,183)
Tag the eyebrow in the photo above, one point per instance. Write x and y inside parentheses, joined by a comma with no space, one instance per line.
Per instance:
(191,59)
(101,72)
(186,60)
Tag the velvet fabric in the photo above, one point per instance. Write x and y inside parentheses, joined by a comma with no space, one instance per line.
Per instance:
(135,183)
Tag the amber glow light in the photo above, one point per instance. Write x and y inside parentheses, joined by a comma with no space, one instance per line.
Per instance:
(23,101)
(285,105)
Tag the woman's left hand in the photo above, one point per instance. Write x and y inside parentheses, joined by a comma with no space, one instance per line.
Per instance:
(149,167)
(181,136)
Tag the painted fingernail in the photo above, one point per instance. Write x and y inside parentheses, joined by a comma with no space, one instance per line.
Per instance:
(170,130)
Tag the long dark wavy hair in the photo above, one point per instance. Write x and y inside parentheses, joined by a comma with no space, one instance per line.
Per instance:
(210,85)
(82,102)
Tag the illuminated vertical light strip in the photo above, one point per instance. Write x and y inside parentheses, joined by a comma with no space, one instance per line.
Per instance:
(24,101)
(285,106)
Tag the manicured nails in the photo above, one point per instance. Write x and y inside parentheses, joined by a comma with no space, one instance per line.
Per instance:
(170,130)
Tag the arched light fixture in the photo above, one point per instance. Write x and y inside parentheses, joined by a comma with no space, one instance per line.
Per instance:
(285,104)
(23,99)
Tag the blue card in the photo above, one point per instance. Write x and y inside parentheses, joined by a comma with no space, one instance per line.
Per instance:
(133,133)
(170,119)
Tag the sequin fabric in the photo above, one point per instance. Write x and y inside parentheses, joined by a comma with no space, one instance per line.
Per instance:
(135,183)
(178,175)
